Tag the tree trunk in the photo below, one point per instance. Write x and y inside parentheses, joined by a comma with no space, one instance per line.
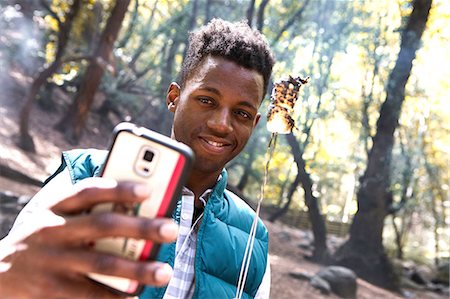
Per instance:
(283,186)
(25,140)
(364,252)
(167,76)
(193,18)
(207,11)
(435,194)
(248,165)
(179,35)
(260,15)
(74,121)
(367,100)
(319,230)
(280,212)
(398,239)
(250,12)
(246,174)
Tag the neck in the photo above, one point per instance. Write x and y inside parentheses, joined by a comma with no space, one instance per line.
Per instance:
(198,183)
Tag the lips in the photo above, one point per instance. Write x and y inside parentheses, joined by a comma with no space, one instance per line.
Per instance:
(214,145)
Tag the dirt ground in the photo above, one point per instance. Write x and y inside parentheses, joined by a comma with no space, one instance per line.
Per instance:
(285,254)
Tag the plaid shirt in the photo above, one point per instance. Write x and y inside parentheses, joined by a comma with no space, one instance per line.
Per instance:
(182,283)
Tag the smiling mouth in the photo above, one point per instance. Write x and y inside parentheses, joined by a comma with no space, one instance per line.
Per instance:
(217,144)
(214,146)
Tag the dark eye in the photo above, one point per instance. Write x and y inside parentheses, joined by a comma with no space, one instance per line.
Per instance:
(244,114)
(205,100)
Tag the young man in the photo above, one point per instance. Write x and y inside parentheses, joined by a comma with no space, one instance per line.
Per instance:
(223,81)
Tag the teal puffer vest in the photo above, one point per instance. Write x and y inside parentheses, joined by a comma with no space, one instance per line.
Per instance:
(221,239)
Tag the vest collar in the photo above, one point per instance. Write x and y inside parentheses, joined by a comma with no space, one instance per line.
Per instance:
(220,186)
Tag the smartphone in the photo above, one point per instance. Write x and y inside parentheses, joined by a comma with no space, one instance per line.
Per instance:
(141,155)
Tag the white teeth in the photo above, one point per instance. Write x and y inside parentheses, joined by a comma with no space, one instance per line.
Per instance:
(214,143)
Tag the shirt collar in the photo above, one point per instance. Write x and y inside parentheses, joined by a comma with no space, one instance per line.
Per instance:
(205,196)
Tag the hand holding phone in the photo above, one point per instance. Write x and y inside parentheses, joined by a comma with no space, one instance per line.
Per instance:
(50,248)
(141,155)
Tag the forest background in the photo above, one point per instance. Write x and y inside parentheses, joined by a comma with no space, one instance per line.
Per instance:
(368,160)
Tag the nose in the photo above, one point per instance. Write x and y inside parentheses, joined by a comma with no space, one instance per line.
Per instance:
(220,122)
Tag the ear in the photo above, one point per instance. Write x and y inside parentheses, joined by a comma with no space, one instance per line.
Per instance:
(256,120)
(172,96)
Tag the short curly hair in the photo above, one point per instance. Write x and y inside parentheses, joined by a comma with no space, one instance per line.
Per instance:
(234,41)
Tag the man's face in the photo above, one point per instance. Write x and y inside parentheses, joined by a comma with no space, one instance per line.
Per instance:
(216,111)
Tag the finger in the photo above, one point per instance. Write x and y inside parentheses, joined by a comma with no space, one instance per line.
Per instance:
(93,191)
(85,261)
(50,279)
(79,287)
(86,228)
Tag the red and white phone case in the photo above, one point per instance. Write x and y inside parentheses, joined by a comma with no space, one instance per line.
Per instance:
(141,155)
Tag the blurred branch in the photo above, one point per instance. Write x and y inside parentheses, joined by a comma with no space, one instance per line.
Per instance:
(76,58)
(296,17)
(26,141)
(147,38)
(249,13)
(123,42)
(45,5)
(260,15)
(8,172)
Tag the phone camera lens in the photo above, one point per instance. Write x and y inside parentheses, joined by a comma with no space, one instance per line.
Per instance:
(148,156)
